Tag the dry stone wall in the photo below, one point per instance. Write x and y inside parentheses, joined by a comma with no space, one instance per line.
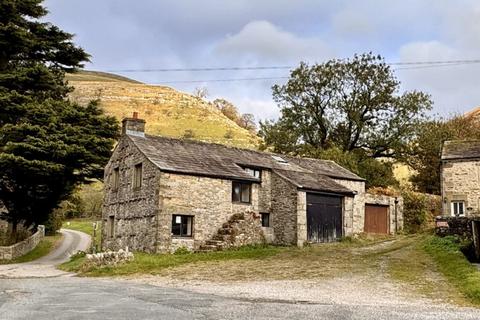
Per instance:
(23,247)
(133,211)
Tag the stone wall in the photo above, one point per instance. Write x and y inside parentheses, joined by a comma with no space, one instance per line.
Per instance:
(449,226)
(208,200)
(301,218)
(132,211)
(461,181)
(284,210)
(395,204)
(23,247)
(353,207)
(265,192)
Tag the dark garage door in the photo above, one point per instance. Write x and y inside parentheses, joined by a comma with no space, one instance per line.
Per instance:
(376,219)
(324,218)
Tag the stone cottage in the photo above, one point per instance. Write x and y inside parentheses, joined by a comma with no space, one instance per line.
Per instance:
(460,178)
(164,193)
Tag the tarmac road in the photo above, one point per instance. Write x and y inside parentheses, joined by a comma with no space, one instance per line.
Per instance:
(36,290)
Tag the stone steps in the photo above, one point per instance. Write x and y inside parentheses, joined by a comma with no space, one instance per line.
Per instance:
(220,240)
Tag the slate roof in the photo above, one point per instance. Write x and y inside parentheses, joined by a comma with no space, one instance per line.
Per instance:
(215,160)
(461,149)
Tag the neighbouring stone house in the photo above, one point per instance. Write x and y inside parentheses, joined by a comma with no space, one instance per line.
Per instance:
(460,178)
(163,193)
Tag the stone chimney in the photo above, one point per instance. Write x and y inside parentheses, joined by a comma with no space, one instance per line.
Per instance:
(133,126)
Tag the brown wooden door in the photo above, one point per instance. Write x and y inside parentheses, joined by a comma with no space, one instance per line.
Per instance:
(376,219)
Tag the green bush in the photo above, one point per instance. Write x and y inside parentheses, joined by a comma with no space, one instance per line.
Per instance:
(182,250)
(419,211)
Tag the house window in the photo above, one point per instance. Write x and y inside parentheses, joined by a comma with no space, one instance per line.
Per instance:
(458,208)
(137,176)
(254,172)
(265,219)
(182,225)
(241,192)
(115,178)
(111,226)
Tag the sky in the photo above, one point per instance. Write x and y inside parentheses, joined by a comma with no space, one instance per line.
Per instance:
(164,34)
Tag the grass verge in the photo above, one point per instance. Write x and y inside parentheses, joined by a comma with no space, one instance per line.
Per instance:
(86,226)
(155,263)
(454,266)
(42,249)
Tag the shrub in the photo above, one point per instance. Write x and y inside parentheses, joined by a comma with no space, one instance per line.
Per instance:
(419,210)
(182,250)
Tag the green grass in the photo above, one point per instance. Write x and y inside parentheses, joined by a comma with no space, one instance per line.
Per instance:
(86,226)
(42,249)
(454,266)
(155,263)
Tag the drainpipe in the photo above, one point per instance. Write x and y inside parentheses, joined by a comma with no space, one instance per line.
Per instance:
(396,220)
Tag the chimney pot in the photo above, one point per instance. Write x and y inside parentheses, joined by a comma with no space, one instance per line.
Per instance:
(135,115)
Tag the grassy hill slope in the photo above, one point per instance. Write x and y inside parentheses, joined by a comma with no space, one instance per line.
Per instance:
(167,111)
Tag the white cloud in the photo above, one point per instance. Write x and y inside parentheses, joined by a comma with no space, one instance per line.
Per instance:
(260,41)
(453,88)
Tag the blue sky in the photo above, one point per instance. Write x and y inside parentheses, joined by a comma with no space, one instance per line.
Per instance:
(152,34)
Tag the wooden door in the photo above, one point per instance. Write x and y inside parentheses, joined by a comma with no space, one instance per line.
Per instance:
(324,218)
(376,219)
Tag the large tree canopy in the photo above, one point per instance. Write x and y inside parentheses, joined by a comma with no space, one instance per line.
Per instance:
(425,151)
(350,104)
(48,145)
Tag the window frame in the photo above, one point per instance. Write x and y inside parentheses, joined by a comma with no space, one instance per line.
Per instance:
(182,234)
(455,206)
(262,217)
(252,171)
(138,176)
(241,185)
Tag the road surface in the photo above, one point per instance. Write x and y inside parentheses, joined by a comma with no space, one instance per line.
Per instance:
(45,267)
(38,291)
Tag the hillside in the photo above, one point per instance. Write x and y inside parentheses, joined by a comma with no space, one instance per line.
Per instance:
(167,111)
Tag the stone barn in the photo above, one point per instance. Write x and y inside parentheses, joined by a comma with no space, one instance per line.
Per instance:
(163,193)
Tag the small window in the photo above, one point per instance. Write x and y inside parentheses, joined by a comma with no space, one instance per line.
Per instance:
(115,178)
(182,225)
(241,192)
(265,219)
(458,208)
(137,176)
(254,172)
(111,226)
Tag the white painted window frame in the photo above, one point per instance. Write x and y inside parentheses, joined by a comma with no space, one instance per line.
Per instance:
(456,205)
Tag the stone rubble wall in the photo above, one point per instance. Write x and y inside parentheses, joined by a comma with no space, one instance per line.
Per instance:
(393,203)
(134,211)
(208,200)
(284,210)
(460,181)
(23,247)
(245,230)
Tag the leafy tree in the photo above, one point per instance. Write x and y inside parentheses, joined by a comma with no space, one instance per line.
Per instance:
(247,121)
(424,153)
(352,104)
(377,173)
(48,144)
